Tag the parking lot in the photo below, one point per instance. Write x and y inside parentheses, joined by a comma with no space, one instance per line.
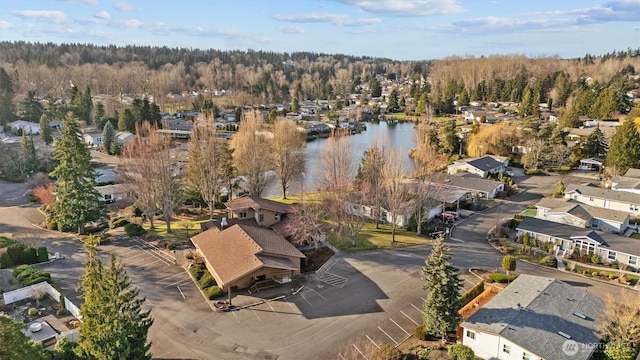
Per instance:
(153,271)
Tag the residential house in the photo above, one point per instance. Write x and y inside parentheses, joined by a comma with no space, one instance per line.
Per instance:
(567,239)
(630,182)
(535,318)
(245,249)
(401,219)
(604,198)
(93,137)
(471,184)
(26,127)
(594,164)
(113,193)
(570,212)
(482,166)
(123,137)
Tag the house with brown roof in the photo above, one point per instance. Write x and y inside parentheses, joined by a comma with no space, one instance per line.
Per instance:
(246,249)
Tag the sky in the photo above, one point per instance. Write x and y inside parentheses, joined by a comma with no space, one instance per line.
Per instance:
(395,29)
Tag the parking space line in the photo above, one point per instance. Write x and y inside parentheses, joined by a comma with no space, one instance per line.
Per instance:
(293,308)
(147,265)
(154,255)
(384,332)
(415,307)
(305,299)
(408,317)
(401,328)
(423,299)
(373,342)
(236,316)
(179,282)
(360,352)
(256,314)
(317,293)
(341,357)
(181,293)
(169,277)
(272,309)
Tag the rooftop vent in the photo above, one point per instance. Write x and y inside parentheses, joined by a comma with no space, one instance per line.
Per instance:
(519,306)
(35,327)
(564,335)
(223,222)
(580,315)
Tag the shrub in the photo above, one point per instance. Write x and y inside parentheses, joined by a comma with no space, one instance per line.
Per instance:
(501,278)
(51,223)
(44,194)
(119,222)
(32,311)
(549,261)
(472,293)
(196,271)
(16,252)
(30,256)
(420,332)
(594,274)
(28,275)
(387,352)
(133,229)
(595,258)
(170,245)
(62,312)
(43,254)
(206,281)
(5,261)
(212,292)
(460,352)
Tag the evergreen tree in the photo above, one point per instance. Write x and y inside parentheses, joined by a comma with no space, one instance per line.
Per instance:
(463,98)
(32,108)
(624,150)
(108,137)
(45,130)
(295,102)
(569,118)
(7,107)
(442,284)
(29,151)
(604,105)
(114,325)
(449,141)
(563,89)
(17,345)
(376,89)
(86,106)
(393,105)
(525,108)
(127,121)
(596,144)
(77,201)
(99,115)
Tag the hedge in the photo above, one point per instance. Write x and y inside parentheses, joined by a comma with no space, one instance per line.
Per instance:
(134,229)
(212,292)
(21,254)
(460,352)
(549,261)
(43,254)
(120,222)
(5,261)
(206,281)
(472,293)
(196,271)
(501,278)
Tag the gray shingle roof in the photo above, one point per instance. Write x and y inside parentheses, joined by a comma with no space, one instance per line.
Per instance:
(467,183)
(595,192)
(582,211)
(633,173)
(562,231)
(485,163)
(547,306)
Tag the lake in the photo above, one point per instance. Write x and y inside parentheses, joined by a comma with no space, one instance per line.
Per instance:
(399,136)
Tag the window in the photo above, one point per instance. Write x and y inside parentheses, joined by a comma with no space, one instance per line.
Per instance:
(261,218)
(276,217)
(595,223)
(590,199)
(633,207)
(611,255)
(633,260)
(506,348)
(242,215)
(526,356)
(471,334)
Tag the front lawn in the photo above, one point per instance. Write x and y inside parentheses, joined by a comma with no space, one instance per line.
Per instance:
(178,232)
(529,213)
(371,238)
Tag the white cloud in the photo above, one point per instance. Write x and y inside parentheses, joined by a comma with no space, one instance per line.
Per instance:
(332,18)
(5,25)
(128,23)
(407,7)
(295,29)
(123,6)
(52,16)
(102,15)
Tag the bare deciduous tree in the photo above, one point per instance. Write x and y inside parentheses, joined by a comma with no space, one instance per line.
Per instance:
(252,153)
(620,320)
(306,224)
(395,194)
(336,164)
(204,169)
(288,155)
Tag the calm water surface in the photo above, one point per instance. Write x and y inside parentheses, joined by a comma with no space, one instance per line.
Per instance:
(399,136)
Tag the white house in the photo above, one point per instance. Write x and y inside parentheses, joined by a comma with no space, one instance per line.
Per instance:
(401,218)
(123,137)
(113,193)
(569,212)
(482,166)
(604,198)
(472,184)
(567,239)
(93,138)
(25,126)
(533,319)
(630,182)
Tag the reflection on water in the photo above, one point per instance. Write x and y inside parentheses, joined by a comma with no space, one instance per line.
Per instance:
(399,136)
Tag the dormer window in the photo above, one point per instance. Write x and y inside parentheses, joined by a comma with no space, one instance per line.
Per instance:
(242,215)
(277,216)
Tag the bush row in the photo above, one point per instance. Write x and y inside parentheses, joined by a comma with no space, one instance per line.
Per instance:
(472,293)
(28,275)
(501,278)
(205,281)
(134,229)
(21,254)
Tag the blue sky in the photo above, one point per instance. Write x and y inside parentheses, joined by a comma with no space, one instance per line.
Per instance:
(397,29)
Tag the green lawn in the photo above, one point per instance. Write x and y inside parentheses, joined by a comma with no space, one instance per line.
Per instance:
(5,241)
(529,213)
(371,238)
(178,232)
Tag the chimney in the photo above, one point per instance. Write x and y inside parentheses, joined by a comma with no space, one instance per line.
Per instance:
(223,223)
